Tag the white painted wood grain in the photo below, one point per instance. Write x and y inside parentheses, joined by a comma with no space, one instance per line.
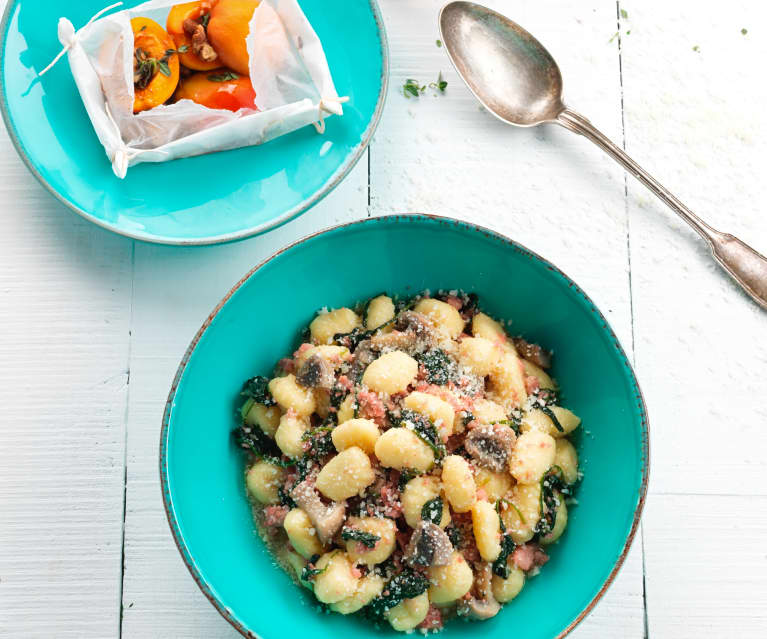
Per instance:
(695,118)
(64,311)
(706,566)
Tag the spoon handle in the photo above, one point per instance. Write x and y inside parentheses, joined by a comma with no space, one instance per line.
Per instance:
(745,265)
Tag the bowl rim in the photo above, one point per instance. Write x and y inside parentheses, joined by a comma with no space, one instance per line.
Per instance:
(302,207)
(206,588)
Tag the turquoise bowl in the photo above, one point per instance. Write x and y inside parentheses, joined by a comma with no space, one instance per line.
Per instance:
(261,319)
(209,199)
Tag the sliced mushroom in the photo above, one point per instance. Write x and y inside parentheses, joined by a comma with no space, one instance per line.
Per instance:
(490,446)
(316,372)
(484,605)
(327,520)
(420,326)
(429,546)
(364,355)
(533,353)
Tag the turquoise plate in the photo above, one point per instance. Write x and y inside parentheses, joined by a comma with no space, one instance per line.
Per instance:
(204,200)
(260,320)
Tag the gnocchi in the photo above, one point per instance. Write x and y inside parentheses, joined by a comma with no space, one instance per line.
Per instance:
(264,480)
(391,373)
(326,326)
(417,492)
(362,433)
(410,462)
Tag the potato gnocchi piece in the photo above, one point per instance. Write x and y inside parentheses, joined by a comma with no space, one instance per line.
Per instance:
(368,588)
(417,492)
(446,318)
(291,396)
(362,433)
(532,456)
(437,410)
(522,511)
(495,485)
(301,533)
(346,475)
(504,590)
(507,380)
(290,433)
(333,354)
(384,547)
(458,482)
(391,373)
(327,325)
(560,523)
(485,326)
(487,530)
(537,419)
(264,480)
(450,583)
(567,459)
(544,381)
(488,412)
(478,354)
(407,614)
(379,311)
(267,418)
(401,448)
(336,582)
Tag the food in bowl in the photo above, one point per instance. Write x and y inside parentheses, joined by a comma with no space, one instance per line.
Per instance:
(201,56)
(410,461)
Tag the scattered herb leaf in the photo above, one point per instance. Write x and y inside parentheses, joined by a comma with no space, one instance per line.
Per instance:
(226,76)
(624,14)
(696,48)
(439,43)
(744,31)
(412,88)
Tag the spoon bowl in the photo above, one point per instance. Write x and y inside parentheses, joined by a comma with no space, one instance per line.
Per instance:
(518,81)
(507,69)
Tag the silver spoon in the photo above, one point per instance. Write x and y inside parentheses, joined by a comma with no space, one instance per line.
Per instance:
(518,81)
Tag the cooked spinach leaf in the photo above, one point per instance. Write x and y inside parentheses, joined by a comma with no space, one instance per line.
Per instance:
(438,366)
(257,388)
(261,446)
(423,427)
(369,540)
(405,585)
(432,511)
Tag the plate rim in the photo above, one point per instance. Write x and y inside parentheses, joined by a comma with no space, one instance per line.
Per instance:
(207,588)
(302,207)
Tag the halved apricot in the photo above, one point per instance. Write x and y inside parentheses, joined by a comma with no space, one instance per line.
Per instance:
(228,27)
(155,64)
(222,89)
(198,12)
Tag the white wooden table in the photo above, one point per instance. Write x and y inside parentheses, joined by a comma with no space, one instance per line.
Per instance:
(92,325)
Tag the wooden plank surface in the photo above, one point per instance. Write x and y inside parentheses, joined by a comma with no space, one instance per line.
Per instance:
(64,312)
(694,90)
